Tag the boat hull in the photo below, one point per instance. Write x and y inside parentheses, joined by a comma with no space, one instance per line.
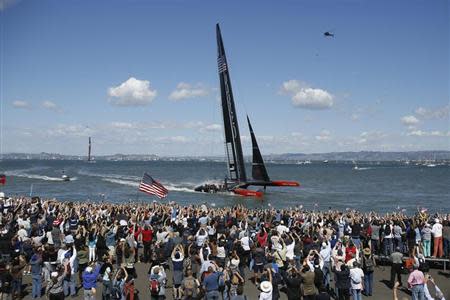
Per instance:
(285,183)
(248,193)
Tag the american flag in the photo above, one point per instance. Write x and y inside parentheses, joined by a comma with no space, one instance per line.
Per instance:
(222,64)
(150,186)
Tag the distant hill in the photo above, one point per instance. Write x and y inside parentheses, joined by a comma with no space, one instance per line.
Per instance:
(287,157)
(364,156)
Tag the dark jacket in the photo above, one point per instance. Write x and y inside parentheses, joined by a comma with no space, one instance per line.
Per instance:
(342,278)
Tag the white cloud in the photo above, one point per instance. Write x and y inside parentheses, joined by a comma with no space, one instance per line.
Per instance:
(21,104)
(133,92)
(51,106)
(63,130)
(438,113)
(173,139)
(306,97)
(409,120)
(185,91)
(213,127)
(323,136)
(355,117)
(122,125)
(422,133)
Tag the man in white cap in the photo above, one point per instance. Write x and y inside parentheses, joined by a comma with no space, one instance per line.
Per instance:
(266,290)
(437,234)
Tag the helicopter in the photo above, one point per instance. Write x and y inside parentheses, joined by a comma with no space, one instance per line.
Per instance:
(328,34)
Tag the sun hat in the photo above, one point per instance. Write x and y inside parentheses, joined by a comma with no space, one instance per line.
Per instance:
(89,269)
(56,222)
(366,251)
(266,286)
(54,274)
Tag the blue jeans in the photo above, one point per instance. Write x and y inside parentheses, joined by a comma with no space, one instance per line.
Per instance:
(398,243)
(69,286)
(17,286)
(213,295)
(356,241)
(368,283)
(36,286)
(418,292)
(446,247)
(356,294)
(387,246)
(326,273)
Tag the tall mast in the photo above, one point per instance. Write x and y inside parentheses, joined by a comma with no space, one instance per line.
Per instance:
(233,147)
(89,150)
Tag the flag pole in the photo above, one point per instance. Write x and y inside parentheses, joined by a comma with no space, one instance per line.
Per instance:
(137,192)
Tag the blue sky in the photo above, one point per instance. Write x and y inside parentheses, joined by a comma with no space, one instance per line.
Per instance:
(141,76)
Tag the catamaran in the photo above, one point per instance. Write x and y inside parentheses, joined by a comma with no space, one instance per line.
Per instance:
(90,159)
(237,181)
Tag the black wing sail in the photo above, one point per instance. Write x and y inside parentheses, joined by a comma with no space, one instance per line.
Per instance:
(233,147)
(259,171)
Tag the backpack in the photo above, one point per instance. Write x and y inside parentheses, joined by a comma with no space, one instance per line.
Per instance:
(221,283)
(116,293)
(154,287)
(387,230)
(187,265)
(368,264)
(190,287)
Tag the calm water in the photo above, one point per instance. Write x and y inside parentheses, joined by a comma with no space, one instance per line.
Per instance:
(381,188)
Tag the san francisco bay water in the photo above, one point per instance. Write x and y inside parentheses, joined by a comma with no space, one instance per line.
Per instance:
(384,187)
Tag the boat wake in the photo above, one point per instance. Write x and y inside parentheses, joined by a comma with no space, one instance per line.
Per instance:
(109,176)
(362,168)
(169,186)
(21,173)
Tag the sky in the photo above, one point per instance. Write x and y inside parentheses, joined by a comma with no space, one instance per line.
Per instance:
(140,77)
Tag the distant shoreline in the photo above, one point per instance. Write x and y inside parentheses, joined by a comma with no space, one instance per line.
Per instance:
(365,156)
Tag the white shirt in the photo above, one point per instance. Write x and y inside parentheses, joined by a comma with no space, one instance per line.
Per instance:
(201,238)
(282,229)
(245,243)
(437,230)
(326,253)
(23,235)
(221,252)
(290,250)
(356,276)
(265,296)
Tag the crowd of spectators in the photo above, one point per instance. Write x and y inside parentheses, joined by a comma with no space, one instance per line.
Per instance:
(205,252)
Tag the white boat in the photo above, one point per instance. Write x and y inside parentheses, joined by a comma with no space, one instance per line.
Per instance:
(65,177)
(325,161)
(355,166)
